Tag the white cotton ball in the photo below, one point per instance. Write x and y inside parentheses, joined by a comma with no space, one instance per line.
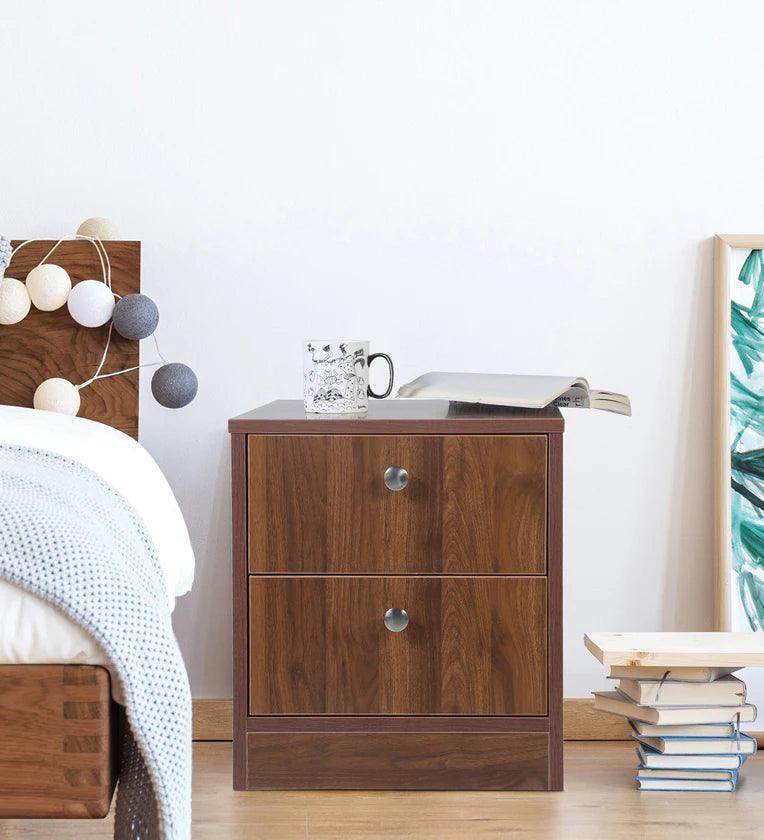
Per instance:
(57,395)
(14,301)
(99,228)
(91,303)
(48,286)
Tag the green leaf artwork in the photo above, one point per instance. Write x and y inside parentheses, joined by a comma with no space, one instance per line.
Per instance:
(747,441)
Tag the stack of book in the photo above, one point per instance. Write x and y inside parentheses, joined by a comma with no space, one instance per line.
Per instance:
(686,722)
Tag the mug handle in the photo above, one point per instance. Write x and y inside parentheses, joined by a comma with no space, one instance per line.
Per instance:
(392,374)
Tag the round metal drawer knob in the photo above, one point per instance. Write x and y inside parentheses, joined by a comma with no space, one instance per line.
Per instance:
(396,478)
(396,620)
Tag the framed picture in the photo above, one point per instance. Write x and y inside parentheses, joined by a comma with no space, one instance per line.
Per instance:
(739,432)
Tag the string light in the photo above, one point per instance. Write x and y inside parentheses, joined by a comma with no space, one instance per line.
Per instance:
(91,303)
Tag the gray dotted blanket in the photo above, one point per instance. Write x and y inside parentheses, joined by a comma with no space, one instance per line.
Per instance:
(70,538)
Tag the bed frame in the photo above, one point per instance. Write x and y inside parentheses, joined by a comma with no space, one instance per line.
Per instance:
(58,724)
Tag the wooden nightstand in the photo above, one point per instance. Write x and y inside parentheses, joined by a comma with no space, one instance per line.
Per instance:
(397,584)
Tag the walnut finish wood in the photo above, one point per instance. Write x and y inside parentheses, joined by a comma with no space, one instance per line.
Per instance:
(473,646)
(56,741)
(474,542)
(474,504)
(554,595)
(48,344)
(396,723)
(240,608)
(399,416)
(494,504)
(390,761)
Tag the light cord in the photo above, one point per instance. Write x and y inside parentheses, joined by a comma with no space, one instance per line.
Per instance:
(156,344)
(102,362)
(103,255)
(119,373)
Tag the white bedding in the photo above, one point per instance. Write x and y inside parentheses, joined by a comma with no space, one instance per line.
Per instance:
(31,630)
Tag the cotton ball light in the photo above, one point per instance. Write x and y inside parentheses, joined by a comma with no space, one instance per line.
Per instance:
(57,395)
(99,228)
(14,301)
(135,317)
(48,286)
(91,303)
(174,385)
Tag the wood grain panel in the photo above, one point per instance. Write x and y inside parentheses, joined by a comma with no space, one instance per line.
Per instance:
(240,629)
(48,344)
(474,504)
(554,610)
(494,517)
(390,761)
(57,741)
(473,646)
(319,504)
(396,723)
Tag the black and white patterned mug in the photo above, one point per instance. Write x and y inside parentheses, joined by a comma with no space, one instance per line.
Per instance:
(336,373)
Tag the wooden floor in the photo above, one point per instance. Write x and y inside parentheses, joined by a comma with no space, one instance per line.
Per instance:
(599,803)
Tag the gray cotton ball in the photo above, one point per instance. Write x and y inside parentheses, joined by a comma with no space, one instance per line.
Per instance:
(135,317)
(174,385)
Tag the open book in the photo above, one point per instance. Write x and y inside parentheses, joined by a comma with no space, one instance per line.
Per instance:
(514,390)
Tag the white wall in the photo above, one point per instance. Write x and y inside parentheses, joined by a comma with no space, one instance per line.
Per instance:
(475,185)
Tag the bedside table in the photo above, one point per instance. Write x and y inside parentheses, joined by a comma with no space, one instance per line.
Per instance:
(397,586)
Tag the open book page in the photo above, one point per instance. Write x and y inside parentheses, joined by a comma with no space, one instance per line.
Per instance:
(520,391)
(517,390)
(578,397)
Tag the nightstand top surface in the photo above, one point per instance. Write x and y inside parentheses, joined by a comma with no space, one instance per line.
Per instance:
(398,416)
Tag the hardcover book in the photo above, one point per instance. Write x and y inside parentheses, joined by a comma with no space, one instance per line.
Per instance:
(727,691)
(687,673)
(688,730)
(618,704)
(655,760)
(707,775)
(686,784)
(737,744)
(521,391)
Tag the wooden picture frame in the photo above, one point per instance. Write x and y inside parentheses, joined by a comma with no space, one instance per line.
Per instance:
(725,248)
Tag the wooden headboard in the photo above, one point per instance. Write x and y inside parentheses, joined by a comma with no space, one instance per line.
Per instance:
(47,344)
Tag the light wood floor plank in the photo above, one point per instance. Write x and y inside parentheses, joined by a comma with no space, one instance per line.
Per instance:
(599,803)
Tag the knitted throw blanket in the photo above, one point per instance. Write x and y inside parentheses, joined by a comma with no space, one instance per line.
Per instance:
(68,537)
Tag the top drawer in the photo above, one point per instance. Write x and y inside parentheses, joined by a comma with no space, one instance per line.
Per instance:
(473,504)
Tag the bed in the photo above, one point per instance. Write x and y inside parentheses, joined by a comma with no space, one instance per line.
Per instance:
(60,709)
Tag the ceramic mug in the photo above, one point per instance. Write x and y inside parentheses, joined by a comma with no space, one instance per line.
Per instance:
(337,376)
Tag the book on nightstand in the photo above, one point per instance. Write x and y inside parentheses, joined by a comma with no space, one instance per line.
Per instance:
(514,390)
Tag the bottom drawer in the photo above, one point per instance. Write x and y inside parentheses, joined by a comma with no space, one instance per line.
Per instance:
(397,761)
(472,645)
